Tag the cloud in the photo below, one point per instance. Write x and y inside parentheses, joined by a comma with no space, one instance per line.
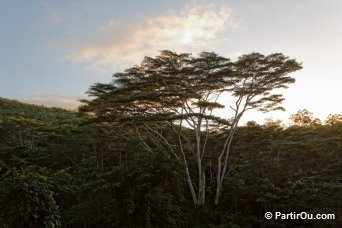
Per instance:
(66,102)
(195,28)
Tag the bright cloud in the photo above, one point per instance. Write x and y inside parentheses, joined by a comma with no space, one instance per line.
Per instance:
(66,102)
(195,28)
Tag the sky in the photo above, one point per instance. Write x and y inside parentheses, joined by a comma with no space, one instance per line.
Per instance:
(52,51)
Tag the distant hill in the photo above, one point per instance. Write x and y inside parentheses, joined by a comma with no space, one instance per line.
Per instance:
(10,107)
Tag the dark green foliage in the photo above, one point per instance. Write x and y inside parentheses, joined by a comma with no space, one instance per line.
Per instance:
(27,198)
(144,192)
(90,175)
(291,170)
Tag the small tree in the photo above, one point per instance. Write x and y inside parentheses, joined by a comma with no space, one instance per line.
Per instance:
(334,119)
(304,118)
(180,92)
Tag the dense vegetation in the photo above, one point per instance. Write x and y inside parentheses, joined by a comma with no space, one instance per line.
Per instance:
(55,170)
(116,162)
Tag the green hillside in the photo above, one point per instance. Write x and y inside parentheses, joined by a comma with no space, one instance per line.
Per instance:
(59,169)
(16,108)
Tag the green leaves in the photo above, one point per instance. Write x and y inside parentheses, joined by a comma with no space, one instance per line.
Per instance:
(26,198)
(96,174)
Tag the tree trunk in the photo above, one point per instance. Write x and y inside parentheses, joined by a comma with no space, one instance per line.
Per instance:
(201,189)
(188,179)
(218,188)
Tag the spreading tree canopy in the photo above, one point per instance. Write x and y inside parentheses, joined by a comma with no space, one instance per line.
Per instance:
(179,92)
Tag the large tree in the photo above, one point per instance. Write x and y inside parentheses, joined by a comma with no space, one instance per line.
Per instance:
(180,93)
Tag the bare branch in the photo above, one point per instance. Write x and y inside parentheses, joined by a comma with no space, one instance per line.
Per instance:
(142,140)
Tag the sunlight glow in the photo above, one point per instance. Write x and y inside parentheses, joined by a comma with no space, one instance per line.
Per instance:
(187,36)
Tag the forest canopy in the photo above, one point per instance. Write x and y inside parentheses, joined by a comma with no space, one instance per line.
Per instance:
(149,150)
